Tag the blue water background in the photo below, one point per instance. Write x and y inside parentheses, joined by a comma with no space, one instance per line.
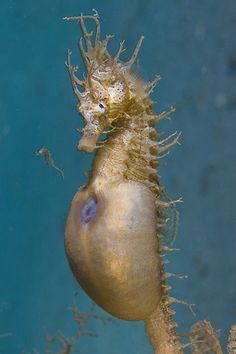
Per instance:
(192,45)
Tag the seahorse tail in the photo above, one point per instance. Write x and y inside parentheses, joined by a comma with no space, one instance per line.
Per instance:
(161,327)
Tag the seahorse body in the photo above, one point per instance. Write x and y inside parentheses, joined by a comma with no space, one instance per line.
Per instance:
(111,238)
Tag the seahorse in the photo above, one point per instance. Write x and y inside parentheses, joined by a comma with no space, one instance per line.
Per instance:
(113,231)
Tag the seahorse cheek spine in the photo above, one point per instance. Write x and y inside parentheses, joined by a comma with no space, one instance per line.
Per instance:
(115,257)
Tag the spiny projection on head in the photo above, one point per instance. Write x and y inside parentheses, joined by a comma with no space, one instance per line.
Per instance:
(113,231)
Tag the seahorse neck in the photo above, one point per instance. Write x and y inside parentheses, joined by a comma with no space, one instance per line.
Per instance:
(128,154)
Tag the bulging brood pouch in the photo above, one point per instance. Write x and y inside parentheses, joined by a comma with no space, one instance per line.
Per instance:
(112,247)
(113,229)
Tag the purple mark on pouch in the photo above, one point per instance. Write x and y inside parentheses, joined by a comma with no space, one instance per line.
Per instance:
(89,210)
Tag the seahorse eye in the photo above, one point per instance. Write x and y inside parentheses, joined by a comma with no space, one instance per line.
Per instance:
(88,210)
(102,107)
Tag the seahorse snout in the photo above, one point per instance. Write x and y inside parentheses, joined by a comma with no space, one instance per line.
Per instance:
(91,133)
(87,144)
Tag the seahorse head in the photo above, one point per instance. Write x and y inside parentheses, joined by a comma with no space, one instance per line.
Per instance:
(110,91)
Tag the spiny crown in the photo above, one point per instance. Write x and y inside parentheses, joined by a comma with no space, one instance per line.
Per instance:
(111,88)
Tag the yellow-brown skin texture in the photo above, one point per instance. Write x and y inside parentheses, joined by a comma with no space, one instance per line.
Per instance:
(116,256)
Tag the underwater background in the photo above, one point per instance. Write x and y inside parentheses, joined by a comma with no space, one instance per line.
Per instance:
(192,45)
